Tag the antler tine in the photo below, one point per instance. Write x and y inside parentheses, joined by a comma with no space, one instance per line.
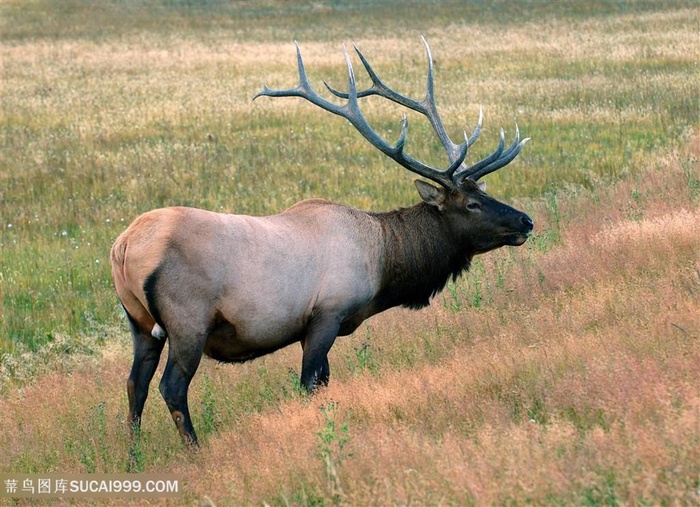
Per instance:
(451,177)
(457,172)
(397,151)
(467,171)
(351,111)
(496,160)
(378,87)
(477,129)
(425,107)
(303,89)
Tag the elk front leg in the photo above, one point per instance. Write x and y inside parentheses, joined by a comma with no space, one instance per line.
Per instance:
(315,370)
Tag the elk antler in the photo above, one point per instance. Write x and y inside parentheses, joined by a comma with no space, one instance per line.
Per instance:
(455,174)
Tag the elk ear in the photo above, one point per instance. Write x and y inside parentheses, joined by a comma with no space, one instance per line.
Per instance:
(482,185)
(432,195)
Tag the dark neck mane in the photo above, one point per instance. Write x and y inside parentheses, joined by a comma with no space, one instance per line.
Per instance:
(421,256)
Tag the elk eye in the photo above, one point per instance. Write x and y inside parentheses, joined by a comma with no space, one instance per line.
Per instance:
(474,206)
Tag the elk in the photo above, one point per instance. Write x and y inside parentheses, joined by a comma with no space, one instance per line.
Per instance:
(237,287)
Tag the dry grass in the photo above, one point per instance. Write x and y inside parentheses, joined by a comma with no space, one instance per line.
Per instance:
(576,384)
(169,68)
(585,389)
(563,372)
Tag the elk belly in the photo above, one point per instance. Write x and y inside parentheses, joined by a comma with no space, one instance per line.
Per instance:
(227,343)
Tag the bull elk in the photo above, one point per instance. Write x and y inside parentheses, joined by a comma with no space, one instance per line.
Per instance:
(238,287)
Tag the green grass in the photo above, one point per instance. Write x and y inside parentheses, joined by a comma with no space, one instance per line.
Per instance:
(115,108)
(90,139)
(281,21)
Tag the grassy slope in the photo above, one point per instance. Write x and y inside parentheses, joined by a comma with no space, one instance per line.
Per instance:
(570,379)
(558,372)
(114,111)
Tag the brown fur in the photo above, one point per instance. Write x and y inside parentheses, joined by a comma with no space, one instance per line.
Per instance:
(235,287)
(421,256)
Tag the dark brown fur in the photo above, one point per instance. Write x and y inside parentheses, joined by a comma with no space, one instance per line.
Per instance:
(421,256)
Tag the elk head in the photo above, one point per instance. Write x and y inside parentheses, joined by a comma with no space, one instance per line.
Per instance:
(478,222)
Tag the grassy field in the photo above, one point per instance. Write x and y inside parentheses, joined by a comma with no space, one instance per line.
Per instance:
(561,372)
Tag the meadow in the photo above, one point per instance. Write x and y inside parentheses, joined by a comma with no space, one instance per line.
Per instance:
(561,372)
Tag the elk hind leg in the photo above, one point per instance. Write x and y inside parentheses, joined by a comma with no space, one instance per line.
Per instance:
(147,351)
(183,359)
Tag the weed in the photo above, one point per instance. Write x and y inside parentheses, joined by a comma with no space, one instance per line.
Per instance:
(451,298)
(363,359)
(136,458)
(692,177)
(602,493)
(477,297)
(295,380)
(306,495)
(208,406)
(586,418)
(553,235)
(332,441)
(501,267)
(537,411)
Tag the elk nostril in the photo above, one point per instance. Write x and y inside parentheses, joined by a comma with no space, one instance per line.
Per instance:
(527,222)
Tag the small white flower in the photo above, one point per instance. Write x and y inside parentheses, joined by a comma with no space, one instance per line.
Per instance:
(64,233)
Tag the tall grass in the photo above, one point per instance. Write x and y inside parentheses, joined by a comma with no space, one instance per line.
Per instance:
(96,130)
(571,382)
(561,372)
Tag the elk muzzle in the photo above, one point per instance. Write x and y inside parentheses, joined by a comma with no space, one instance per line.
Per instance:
(522,227)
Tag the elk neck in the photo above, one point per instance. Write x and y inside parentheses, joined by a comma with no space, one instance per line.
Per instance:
(421,255)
